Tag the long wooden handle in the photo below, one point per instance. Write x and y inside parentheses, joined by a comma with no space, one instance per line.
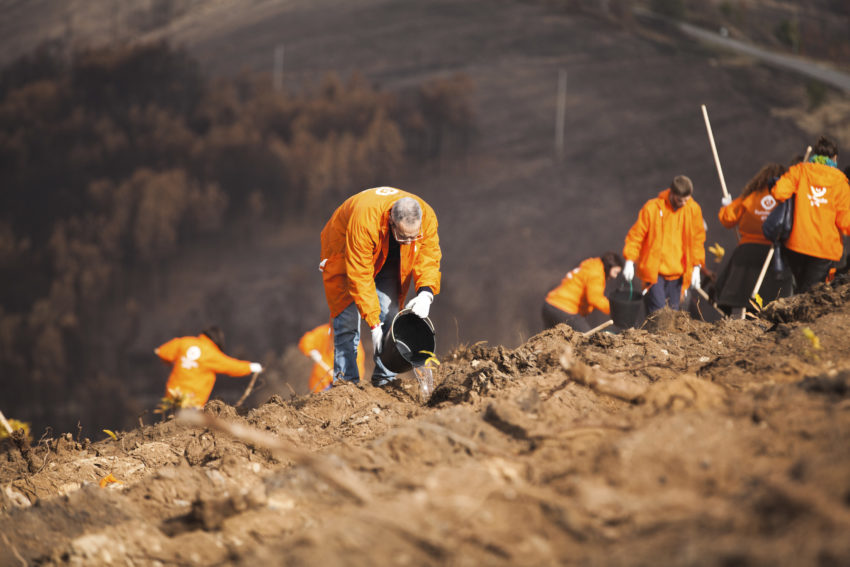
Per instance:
(763,272)
(714,151)
(247,391)
(5,424)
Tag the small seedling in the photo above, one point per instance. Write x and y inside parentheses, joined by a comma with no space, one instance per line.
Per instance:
(174,400)
(111,434)
(432,358)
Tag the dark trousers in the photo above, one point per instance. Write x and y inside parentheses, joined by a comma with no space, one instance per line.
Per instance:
(552,316)
(807,270)
(661,293)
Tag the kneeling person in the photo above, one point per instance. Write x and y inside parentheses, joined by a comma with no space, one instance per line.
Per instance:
(581,291)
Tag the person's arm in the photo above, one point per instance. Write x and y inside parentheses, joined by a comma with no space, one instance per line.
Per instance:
(220,363)
(786,186)
(169,351)
(636,234)
(361,242)
(426,268)
(698,236)
(730,215)
(842,210)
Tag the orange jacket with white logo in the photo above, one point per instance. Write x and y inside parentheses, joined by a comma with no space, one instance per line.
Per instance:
(821,209)
(748,214)
(196,361)
(643,242)
(321,339)
(582,290)
(355,242)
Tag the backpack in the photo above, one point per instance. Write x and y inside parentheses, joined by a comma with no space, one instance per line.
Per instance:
(778,224)
(777,228)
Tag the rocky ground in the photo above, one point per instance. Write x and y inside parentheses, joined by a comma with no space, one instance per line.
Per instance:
(679,443)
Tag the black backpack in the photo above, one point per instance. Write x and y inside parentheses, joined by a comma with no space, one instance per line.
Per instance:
(778,224)
(777,228)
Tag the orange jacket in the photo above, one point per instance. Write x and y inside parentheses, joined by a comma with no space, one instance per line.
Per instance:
(354,247)
(748,214)
(644,240)
(321,339)
(821,210)
(196,361)
(582,290)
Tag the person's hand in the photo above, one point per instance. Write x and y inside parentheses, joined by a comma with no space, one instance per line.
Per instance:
(256,367)
(695,277)
(421,304)
(726,200)
(628,270)
(377,338)
(316,356)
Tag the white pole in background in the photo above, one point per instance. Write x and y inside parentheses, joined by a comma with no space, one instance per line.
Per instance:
(278,67)
(560,114)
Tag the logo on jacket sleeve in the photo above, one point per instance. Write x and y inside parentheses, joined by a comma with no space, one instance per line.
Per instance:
(816,196)
(190,359)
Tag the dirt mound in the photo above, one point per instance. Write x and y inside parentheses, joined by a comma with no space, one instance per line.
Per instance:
(679,443)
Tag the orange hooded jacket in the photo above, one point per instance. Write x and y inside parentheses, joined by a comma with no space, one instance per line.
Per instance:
(321,339)
(196,361)
(644,240)
(748,214)
(355,242)
(821,210)
(582,290)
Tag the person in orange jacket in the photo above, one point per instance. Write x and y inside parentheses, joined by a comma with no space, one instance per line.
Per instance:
(195,362)
(373,245)
(668,244)
(737,279)
(318,345)
(581,291)
(821,214)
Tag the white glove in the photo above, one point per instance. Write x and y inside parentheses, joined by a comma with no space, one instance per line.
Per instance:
(726,200)
(421,303)
(629,270)
(256,367)
(316,356)
(377,338)
(695,278)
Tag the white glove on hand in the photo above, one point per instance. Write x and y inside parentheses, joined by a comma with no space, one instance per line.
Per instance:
(628,270)
(256,367)
(726,200)
(421,304)
(695,278)
(377,339)
(316,356)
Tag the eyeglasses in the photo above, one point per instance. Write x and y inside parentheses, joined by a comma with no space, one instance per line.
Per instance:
(404,239)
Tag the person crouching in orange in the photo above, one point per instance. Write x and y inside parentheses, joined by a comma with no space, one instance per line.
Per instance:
(318,344)
(581,291)
(196,360)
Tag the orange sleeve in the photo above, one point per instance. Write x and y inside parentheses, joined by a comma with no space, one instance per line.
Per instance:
(786,186)
(169,351)
(636,234)
(698,236)
(596,290)
(361,241)
(731,214)
(221,363)
(426,269)
(842,211)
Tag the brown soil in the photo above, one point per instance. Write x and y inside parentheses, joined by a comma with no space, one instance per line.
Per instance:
(681,443)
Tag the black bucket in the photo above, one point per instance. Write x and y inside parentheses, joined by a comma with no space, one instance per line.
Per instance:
(626,308)
(409,343)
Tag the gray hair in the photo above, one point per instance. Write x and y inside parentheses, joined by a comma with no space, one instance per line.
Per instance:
(406,211)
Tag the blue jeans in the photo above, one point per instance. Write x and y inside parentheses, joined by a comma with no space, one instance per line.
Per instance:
(346,327)
(661,292)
